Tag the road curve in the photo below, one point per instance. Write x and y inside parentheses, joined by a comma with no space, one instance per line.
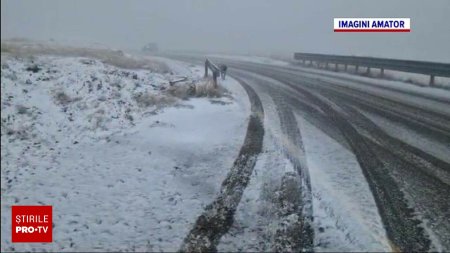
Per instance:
(399,139)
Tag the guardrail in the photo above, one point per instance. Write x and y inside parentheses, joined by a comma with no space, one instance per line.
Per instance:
(214,69)
(420,67)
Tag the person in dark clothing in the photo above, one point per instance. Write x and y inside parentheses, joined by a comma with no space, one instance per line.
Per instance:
(223,71)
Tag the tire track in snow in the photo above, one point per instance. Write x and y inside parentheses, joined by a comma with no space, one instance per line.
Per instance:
(427,170)
(294,229)
(401,225)
(217,218)
(287,239)
(346,217)
(420,160)
(284,101)
(430,122)
(420,176)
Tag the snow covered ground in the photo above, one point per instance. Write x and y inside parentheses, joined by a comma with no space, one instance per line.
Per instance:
(179,67)
(125,165)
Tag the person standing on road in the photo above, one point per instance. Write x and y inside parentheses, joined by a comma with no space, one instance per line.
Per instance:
(223,71)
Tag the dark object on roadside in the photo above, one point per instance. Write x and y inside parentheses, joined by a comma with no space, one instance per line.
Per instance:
(223,70)
(34,68)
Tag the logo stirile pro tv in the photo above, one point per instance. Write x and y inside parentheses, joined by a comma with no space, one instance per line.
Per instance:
(31,223)
(372,25)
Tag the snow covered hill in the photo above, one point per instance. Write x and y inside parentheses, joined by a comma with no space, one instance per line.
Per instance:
(127,160)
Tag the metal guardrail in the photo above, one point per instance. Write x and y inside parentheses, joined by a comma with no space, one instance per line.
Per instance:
(214,69)
(420,67)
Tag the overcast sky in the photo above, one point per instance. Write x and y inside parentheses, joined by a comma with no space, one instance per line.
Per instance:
(241,26)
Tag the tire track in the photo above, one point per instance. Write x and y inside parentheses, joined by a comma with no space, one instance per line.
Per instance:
(401,225)
(432,123)
(401,159)
(295,232)
(217,218)
(421,160)
(418,159)
(422,168)
(332,74)
(419,119)
(294,150)
(377,156)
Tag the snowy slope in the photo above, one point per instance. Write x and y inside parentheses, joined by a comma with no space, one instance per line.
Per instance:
(124,165)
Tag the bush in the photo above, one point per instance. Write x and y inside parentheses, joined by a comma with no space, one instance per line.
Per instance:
(204,88)
(63,99)
(148,99)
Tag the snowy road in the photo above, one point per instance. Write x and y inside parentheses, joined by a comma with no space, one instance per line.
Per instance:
(368,158)
(286,159)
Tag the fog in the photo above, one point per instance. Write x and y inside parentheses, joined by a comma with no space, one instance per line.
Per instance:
(237,26)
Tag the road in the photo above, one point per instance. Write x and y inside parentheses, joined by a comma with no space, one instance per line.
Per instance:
(370,164)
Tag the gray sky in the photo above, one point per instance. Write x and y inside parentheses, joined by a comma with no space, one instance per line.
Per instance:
(240,26)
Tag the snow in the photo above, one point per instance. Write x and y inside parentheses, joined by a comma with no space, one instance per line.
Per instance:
(389,88)
(177,66)
(256,220)
(399,86)
(120,175)
(429,98)
(411,137)
(345,213)
(129,167)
